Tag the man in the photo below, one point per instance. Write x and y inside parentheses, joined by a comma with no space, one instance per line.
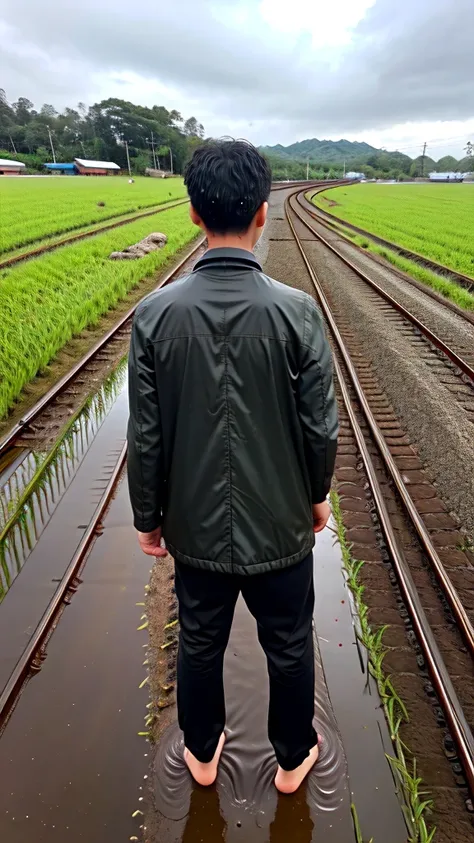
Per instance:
(232,441)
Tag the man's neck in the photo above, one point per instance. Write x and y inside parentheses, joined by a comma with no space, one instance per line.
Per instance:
(230,241)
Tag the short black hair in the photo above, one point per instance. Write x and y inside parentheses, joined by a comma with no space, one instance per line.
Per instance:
(227,181)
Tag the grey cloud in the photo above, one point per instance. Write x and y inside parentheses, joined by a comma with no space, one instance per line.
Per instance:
(409,60)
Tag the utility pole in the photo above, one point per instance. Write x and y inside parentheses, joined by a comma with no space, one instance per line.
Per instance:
(13,145)
(344,175)
(152,144)
(51,142)
(307,169)
(128,159)
(171,160)
(423,160)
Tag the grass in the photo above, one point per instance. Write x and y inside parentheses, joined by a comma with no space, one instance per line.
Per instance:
(37,208)
(46,301)
(434,220)
(449,289)
(415,807)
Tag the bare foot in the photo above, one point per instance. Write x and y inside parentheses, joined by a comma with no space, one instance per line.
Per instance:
(204,774)
(288,781)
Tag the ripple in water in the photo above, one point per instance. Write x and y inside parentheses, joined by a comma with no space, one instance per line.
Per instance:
(247,796)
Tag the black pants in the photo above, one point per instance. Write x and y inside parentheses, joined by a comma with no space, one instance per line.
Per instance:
(282,603)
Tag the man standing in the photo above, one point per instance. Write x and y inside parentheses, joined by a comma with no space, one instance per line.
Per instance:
(232,441)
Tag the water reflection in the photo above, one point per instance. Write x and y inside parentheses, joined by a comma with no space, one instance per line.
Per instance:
(205,821)
(292,820)
(39,480)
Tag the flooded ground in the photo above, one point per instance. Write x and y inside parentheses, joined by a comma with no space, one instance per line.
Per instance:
(74,500)
(245,805)
(34,481)
(71,761)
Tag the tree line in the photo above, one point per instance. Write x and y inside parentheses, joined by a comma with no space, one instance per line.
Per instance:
(157,136)
(379,164)
(101,132)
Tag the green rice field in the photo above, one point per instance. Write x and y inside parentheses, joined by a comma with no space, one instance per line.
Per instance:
(435,220)
(47,300)
(35,208)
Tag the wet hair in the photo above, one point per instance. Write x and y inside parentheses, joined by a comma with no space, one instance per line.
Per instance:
(227,181)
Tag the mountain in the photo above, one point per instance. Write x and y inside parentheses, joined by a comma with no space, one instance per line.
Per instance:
(322,150)
(446,164)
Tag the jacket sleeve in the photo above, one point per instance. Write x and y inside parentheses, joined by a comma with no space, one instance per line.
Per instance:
(145,468)
(317,403)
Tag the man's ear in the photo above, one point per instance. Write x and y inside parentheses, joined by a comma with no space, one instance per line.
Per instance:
(261,215)
(195,218)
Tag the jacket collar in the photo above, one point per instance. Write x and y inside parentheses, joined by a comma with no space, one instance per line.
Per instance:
(228,255)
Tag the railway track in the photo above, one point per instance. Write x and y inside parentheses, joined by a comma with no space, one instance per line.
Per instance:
(419,537)
(371,434)
(326,218)
(461,357)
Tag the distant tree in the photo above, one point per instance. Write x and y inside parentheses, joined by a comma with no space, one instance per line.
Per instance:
(48,111)
(192,128)
(23,110)
(469,149)
(7,115)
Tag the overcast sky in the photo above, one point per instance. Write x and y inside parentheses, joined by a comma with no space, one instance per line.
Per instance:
(391,72)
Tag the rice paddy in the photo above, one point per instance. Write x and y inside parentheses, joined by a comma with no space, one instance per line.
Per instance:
(434,220)
(35,208)
(46,301)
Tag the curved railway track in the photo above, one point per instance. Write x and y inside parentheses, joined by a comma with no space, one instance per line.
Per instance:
(463,360)
(387,465)
(460,278)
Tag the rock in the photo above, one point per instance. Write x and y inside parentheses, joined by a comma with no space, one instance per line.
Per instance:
(153,241)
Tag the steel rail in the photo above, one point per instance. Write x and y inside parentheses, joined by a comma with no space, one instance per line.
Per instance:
(448,698)
(452,596)
(9,439)
(22,668)
(82,235)
(410,317)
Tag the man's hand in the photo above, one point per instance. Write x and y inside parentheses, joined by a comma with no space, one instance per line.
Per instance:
(321,513)
(150,543)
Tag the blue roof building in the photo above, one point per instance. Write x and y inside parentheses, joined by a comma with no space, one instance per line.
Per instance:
(66,169)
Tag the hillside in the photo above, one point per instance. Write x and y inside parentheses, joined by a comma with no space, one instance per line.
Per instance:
(322,150)
(327,159)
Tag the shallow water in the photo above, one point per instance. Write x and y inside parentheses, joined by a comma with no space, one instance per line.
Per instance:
(244,805)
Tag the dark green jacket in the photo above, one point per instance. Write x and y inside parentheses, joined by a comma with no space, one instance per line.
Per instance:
(233,421)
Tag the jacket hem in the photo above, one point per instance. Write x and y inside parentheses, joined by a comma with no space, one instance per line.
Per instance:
(233,568)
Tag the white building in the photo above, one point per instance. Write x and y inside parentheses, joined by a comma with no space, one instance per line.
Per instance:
(353,175)
(447,176)
(10,168)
